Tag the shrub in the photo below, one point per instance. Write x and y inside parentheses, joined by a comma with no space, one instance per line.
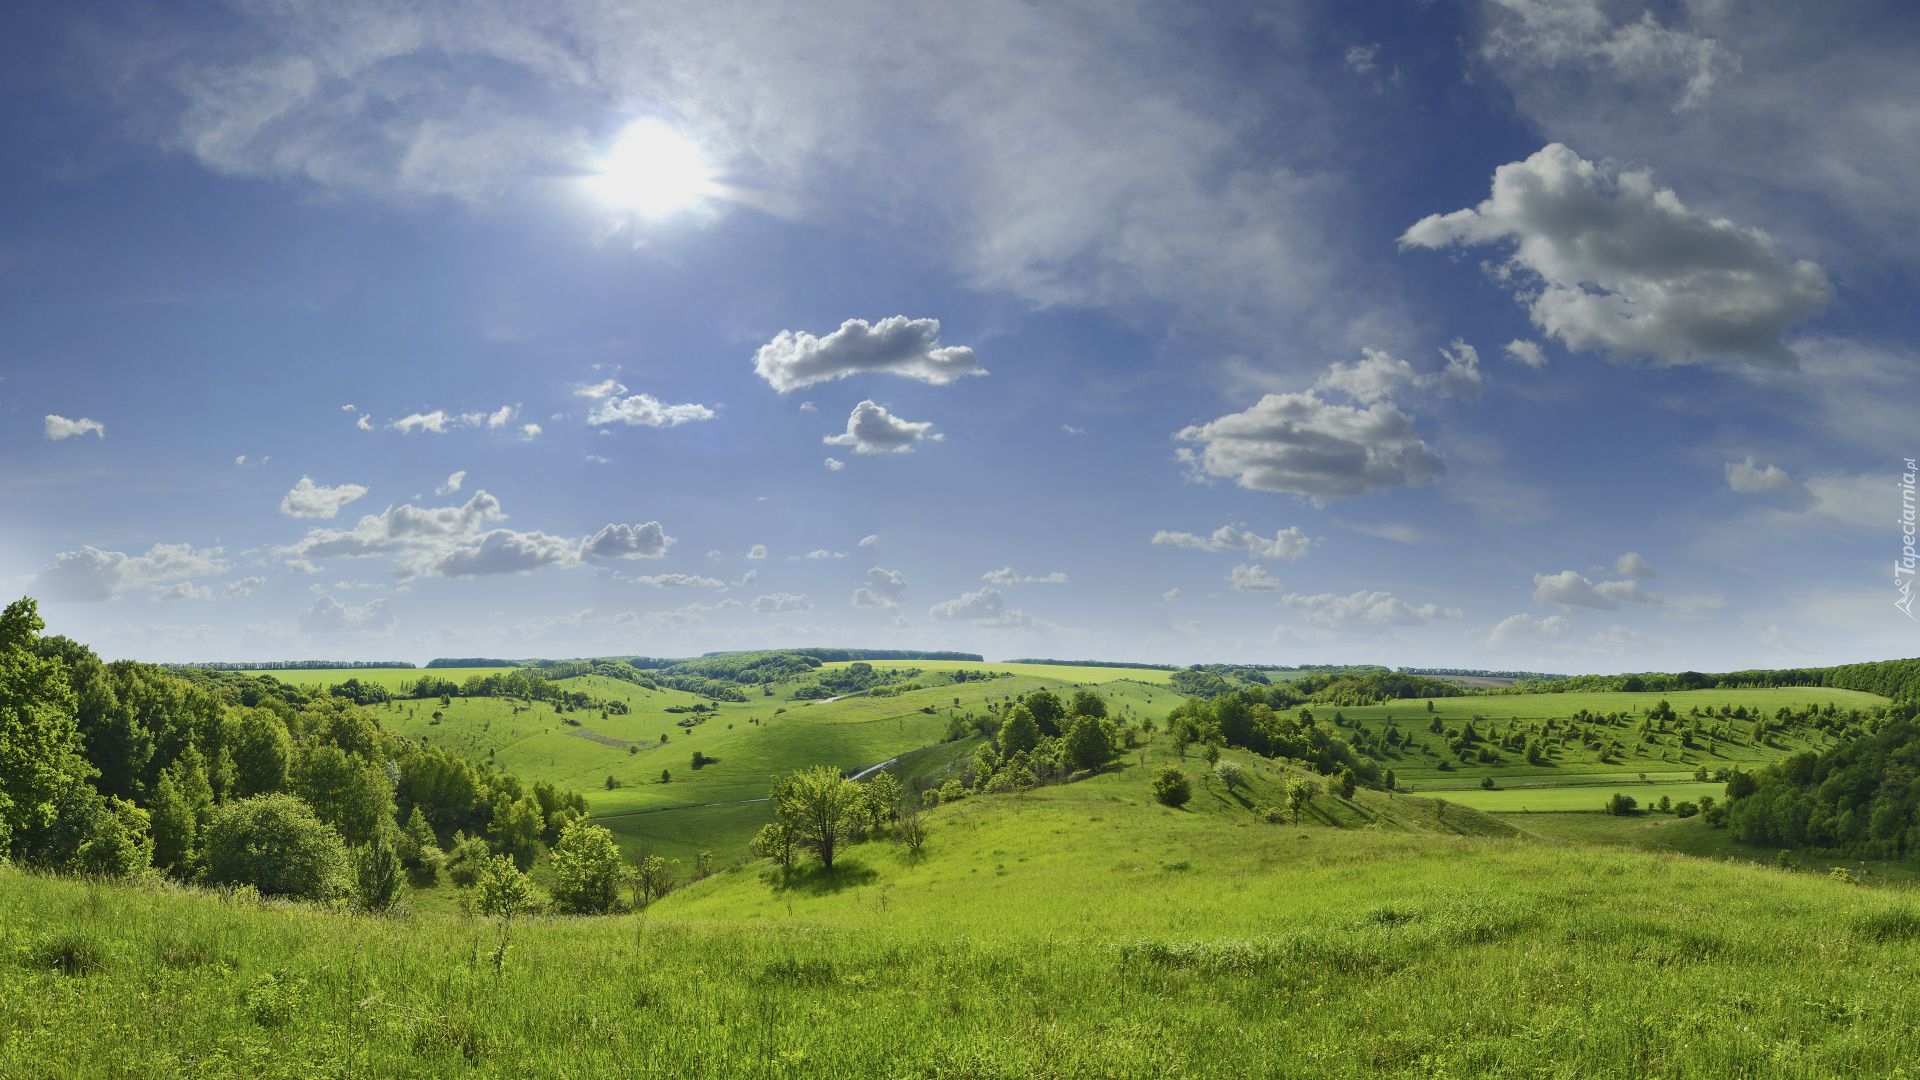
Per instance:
(587,870)
(1170,786)
(466,859)
(1622,804)
(1272,815)
(378,873)
(1685,809)
(1230,773)
(504,891)
(276,844)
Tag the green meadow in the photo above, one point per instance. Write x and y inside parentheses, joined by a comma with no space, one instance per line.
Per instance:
(1069,931)
(389,679)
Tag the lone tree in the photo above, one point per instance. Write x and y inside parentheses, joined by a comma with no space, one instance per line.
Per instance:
(587,870)
(651,880)
(773,841)
(1300,791)
(821,807)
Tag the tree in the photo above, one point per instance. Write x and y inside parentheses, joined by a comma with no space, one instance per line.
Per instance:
(175,826)
(1088,703)
(275,844)
(652,879)
(913,832)
(883,796)
(1170,786)
(39,736)
(587,871)
(1088,744)
(346,791)
(1621,804)
(261,751)
(1047,710)
(1230,774)
(1019,731)
(1299,791)
(774,841)
(820,806)
(516,830)
(378,874)
(504,892)
(1345,782)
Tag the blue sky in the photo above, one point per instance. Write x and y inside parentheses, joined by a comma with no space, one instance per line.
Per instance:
(1562,336)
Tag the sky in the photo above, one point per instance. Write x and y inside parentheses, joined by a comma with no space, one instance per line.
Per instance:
(1508,334)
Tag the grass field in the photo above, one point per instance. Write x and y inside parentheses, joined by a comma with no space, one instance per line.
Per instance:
(1541,800)
(1075,931)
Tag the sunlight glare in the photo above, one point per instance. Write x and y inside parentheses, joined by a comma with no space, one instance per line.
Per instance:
(653,170)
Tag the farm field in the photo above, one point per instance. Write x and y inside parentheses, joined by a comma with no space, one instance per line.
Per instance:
(390,679)
(1082,674)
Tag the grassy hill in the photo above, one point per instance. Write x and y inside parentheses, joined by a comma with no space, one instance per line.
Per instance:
(1072,931)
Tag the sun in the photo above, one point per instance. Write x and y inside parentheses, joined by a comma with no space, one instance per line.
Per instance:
(653,171)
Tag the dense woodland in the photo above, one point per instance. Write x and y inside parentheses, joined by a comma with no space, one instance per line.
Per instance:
(1896,679)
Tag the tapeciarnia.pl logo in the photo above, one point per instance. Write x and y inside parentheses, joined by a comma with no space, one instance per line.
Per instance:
(1903,567)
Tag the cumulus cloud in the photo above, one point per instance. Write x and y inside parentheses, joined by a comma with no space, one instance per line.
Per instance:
(1521,351)
(820,553)
(93,574)
(440,421)
(638,410)
(1006,577)
(59,427)
(1632,565)
(1748,478)
(1378,375)
(757,551)
(645,541)
(311,500)
(1251,578)
(1365,609)
(1562,35)
(677,581)
(183,590)
(1289,543)
(451,484)
(505,551)
(869,540)
(330,616)
(1606,260)
(1572,589)
(871,429)
(985,606)
(1527,633)
(1069,429)
(241,588)
(780,603)
(834,464)
(898,346)
(1299,444)
(883,589)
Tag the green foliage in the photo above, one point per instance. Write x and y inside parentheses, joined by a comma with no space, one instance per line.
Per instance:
(586,871)
(348,791)
(260,750)
(1620,804)
(1861,796)
(502,891)
(275,844)
(378,875)
(1089,744)
(1019,732)
(821,807)
(1170,786)
(39,737)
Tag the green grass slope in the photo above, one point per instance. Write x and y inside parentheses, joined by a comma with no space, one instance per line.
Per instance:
(1073,931)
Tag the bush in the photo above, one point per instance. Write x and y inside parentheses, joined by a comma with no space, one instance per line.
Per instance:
(587,871)
(1272,815)
(1685,809)
(1230,773)
(1621,804)
(1486,783)
(378,876)
(504,891)
(466,859)
(1170,786)
(276,844)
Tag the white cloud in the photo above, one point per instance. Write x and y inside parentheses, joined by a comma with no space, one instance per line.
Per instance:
(1378,375)
(1289,543)
(311,500)
(984,606)
(1366,609)
(757,551)
(1561,35)
(1251,578)
(1751,479)
(245,461)
(530,431)
(1527,633)
(241,588)
(1631,565)
(184,590)
(440,421)
(834,464)
(1007,578)
(1360,59)
(871,429)
(59,427)
(364,423)
(93,574)
(644,541)
(677,581)
(1530,353)
(330,616)
(1170,596)
(820,553)
(898,346)
(808,406)
(869,540)
(882,589)
(1606,260)
(1572,589)
(780,603)
(639,410)
(1299,444)
(1069,429)
(452,483)
(1399,534)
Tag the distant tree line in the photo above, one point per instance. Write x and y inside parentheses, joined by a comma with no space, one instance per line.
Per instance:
(294,665)
(1091,663)
(1477,673)
(1898,680)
